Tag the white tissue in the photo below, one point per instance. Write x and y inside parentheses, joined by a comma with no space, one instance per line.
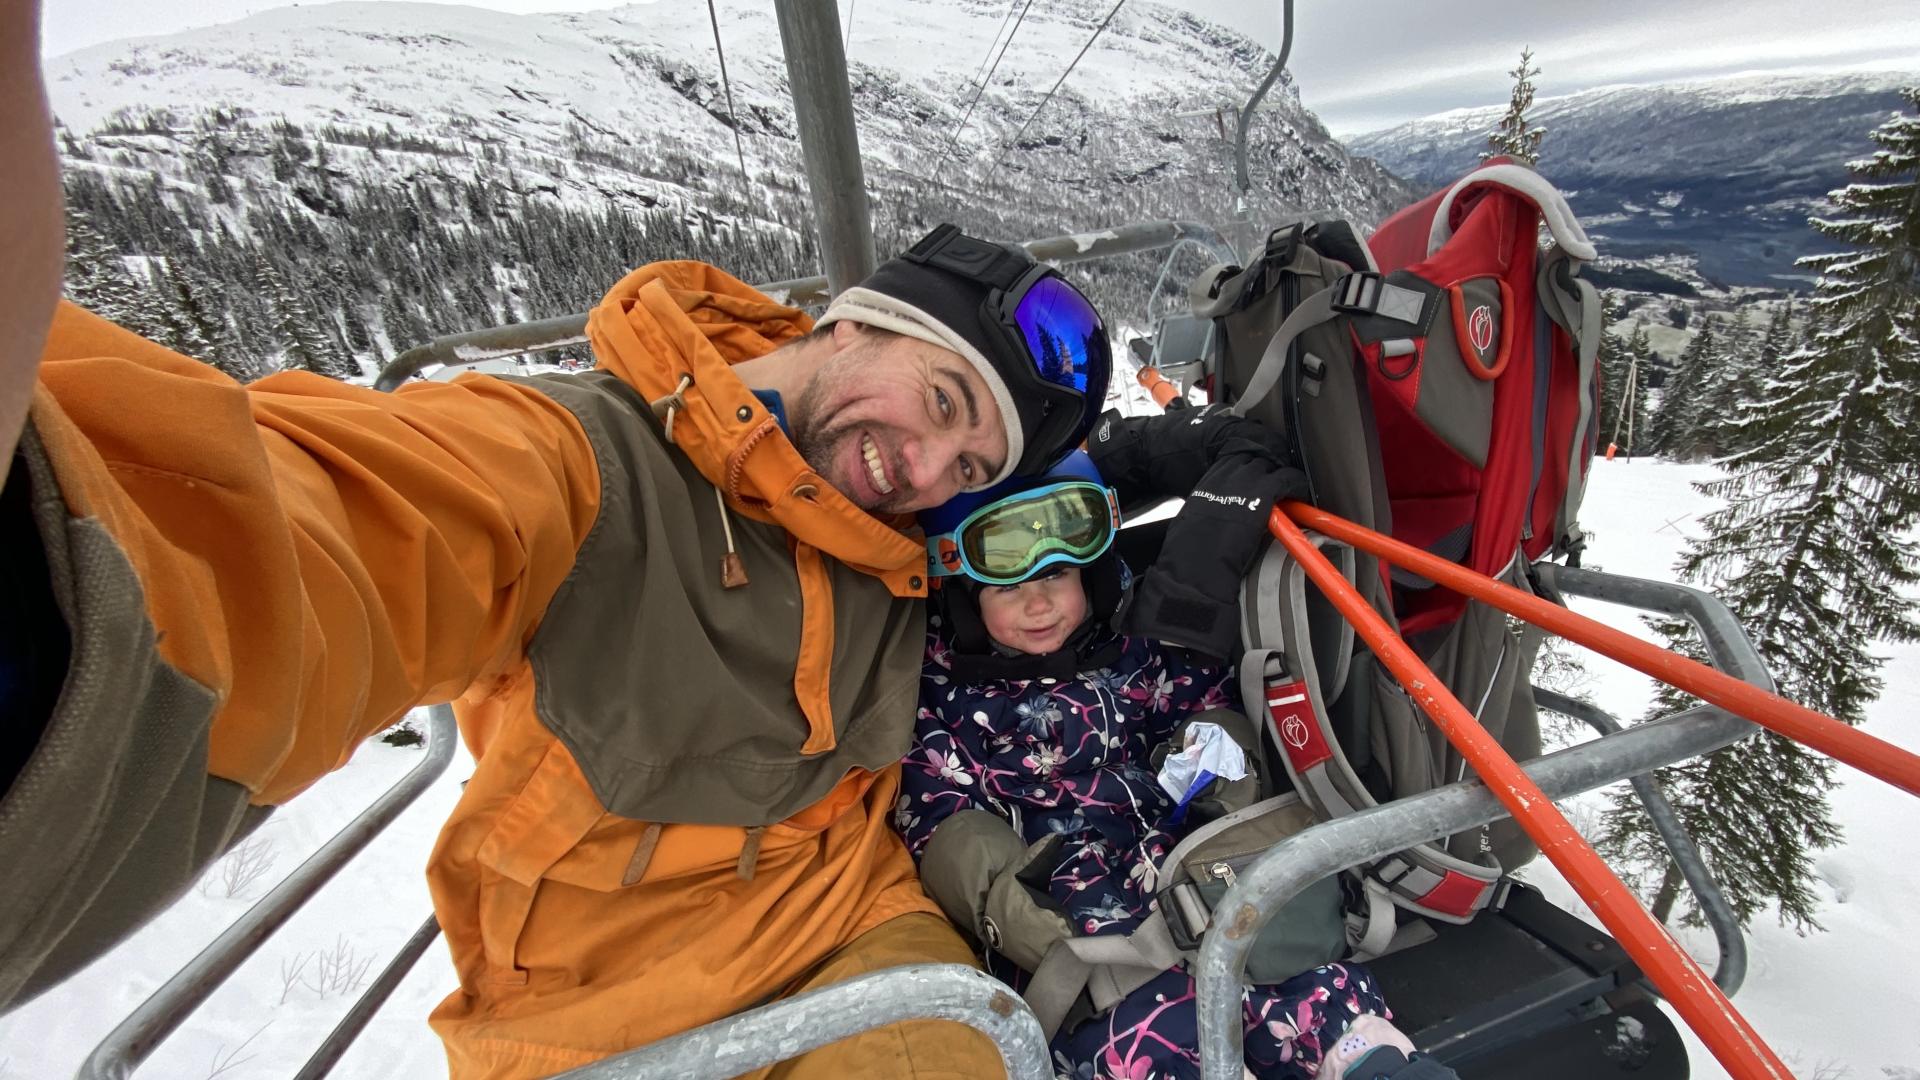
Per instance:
(1209,753)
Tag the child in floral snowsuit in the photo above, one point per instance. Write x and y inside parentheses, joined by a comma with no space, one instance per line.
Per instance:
(1045,719)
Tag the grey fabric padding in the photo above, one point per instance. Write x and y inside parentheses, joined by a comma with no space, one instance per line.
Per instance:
(643,606)
(1554,210)
(1542,394)
(1328,411)
(1332,788)
(1453,547)
(1400,303)
(1274,591)
(114,815)
(1487,666)
(1578,313)
(1454,403)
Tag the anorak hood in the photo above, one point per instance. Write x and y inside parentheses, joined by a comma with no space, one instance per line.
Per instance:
(672,331)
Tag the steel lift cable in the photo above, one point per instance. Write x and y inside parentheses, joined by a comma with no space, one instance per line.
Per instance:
(981,71)
(953,139)
(1011,143)
(733,121)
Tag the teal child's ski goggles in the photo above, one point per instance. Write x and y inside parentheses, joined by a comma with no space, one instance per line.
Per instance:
(1012,539)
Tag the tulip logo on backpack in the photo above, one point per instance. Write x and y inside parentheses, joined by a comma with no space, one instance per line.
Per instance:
(1480,328)
(1290,711)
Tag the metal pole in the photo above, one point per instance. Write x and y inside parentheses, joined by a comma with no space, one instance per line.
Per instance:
(1870,754)
(350,1025)
(127,1045)
(1732,969)
(1246,115)
(787,1029)
(823,111)
(518,339)
(1692,993)
(1263,888)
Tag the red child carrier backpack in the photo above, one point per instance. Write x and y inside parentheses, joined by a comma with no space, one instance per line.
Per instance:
(1439,384)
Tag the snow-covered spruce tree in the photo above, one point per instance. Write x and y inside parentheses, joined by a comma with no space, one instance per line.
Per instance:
(1676,423)
(1515,136)
(1726,388)
(97,278)
(1813,549)
(303,336)
(199,303)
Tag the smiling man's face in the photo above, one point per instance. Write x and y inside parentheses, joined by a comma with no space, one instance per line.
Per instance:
(898,424)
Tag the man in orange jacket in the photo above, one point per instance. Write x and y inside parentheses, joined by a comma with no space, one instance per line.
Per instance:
(670,599)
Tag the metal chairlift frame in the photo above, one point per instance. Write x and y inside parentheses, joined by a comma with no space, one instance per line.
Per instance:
(817,70)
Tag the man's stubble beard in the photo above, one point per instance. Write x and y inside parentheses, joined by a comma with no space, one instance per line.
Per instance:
(819,440)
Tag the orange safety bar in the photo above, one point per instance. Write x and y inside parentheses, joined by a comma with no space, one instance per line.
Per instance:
(1699,1002)
(1164,392)
(1871,755)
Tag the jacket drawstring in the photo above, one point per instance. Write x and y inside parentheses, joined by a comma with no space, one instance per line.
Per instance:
(733,572)
(664,408)
(749,853)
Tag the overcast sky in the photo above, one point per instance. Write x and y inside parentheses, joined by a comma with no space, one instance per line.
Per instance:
(1366,64)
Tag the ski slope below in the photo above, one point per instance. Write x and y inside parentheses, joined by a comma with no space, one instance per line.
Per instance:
(1828,1001)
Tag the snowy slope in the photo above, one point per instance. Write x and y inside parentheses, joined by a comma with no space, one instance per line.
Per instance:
(1843,997)
(1832,1000)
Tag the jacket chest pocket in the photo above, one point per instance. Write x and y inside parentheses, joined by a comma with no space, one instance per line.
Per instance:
(554,830)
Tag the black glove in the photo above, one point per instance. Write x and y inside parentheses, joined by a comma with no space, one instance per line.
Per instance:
(1152,457)
(1191,596)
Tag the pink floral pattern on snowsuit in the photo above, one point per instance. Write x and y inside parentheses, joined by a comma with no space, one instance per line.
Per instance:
(1071,758)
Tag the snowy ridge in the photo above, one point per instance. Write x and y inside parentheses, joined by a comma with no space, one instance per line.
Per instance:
(421,169)
(1722,172)
(536,87)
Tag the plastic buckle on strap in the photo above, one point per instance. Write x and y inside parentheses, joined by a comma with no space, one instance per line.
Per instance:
(1358,292)
(1283,242)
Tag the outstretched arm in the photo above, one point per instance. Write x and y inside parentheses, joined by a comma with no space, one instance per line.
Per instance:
(32,232)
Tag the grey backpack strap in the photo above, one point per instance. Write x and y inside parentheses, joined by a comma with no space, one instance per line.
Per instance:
(1362,292)
(1282,673)
(1369,933)
(1108,967)
(1315,309)
(1055,986)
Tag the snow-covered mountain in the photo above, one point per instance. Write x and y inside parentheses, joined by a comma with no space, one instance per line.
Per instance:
(484,118)
(1725,172)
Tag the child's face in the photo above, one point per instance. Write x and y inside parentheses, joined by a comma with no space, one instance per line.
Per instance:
(1038,615)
